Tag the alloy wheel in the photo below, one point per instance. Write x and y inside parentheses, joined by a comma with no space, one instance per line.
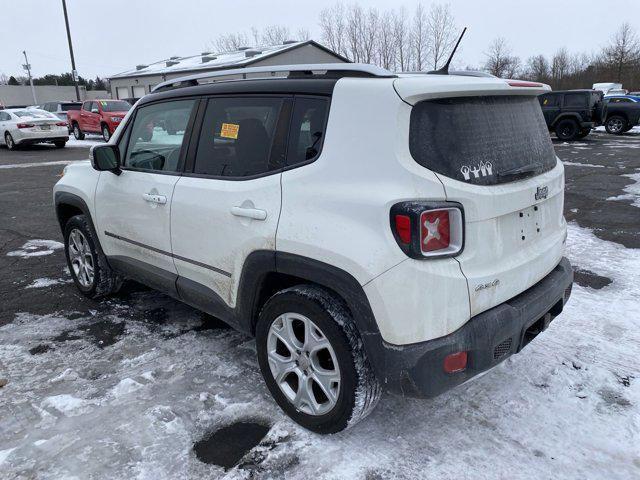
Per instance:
(105,134)
(81,258)
(8,139)
(303,364)
(615,125)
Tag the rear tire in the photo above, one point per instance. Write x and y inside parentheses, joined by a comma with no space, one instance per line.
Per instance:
(60,144)
(106,134)
(9,142)
(615,125)
(86,261)
(567,130)
(77,133)
(306,338)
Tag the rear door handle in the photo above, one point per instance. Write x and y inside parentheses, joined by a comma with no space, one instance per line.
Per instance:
(254,213)
(151,198)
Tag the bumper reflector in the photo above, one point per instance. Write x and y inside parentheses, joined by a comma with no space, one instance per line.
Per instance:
(455,362)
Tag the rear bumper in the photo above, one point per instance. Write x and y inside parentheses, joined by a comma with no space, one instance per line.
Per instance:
(31,140)
(489,338)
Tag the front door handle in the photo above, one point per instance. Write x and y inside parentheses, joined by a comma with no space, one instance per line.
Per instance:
(254,213)
(151,198)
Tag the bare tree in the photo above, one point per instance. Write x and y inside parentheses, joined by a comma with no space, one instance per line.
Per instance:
(560,67)
(623,50)
(419,37)
(333,28)
(500,62)
(386,45)
(4,79)
(303,34)
(401,37)
(441,31)
(538,68)
(274,35)
(230,42)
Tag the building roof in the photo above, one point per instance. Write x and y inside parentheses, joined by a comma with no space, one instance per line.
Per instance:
(218,61)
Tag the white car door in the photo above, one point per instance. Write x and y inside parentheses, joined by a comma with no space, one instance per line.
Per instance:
(227,204)
(133,209)
(5,119)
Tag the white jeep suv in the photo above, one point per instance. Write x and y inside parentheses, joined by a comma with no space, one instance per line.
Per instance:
(373,231)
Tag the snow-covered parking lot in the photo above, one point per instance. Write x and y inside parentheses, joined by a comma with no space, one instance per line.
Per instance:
(141,386)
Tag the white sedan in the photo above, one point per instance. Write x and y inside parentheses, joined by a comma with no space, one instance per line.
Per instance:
(20,126)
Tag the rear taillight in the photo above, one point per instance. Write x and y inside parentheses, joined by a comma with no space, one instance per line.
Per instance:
(25,125)
(61,124)
(428,229)
(455,362)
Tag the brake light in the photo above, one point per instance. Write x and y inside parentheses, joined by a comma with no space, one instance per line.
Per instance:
(25,125)
(428,229)
(61,124)
(520,83)
(455,362)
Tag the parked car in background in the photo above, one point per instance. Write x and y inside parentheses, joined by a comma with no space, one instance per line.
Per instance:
(572,114)
(217,194)
(60,109)
(97,116)
(622,113)
(26,127)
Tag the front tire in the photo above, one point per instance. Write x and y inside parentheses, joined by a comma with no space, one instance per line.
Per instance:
(313,360)
(86,261)
(567,130)
(60,144)
(77,133)
(9,141)
(615,125)
(106,134)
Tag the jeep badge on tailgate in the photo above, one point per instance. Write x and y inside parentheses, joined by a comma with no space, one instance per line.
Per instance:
(542,192)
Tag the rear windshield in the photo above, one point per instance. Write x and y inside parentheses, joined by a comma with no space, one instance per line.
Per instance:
(65,107)
(482,140)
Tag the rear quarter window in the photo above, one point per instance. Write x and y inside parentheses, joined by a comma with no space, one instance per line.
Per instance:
(482,140)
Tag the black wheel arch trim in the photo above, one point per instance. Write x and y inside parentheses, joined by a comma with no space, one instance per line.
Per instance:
(566,116)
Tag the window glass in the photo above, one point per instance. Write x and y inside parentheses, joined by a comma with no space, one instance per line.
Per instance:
(115,106)
(575,100)
(307,129)
(65,107)
(4,116)
(549,100)
(237,136)
(156,136)
(86,106)
(481,140)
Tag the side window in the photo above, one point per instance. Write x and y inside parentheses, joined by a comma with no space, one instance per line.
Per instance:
(86,106)
(4,117)
(575,100)
(549,100)
(237,137)
(307,129)
(156,136)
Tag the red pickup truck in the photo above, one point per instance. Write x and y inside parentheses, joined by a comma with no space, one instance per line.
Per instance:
(97,116)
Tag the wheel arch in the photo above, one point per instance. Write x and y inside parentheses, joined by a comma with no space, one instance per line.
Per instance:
(68,205)
(566,116)
(267,272)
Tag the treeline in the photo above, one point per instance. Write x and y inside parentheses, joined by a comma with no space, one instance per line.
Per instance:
(617,61)
(62,80)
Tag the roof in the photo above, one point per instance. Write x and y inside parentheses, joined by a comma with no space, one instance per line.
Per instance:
(309,86)
(218,61)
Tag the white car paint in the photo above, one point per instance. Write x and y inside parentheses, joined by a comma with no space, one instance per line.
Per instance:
(336,210)
(44,126)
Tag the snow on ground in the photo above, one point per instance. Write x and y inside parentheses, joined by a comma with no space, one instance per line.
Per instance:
(89,141)
(46,282)
(104,396)
(36,248)
(633,190)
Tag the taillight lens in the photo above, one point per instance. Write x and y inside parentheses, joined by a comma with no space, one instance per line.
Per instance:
(403,228)
(428,229)
(455,362)
(25,125)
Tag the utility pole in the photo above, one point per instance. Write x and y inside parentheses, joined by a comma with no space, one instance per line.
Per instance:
(74,72)
(27,67)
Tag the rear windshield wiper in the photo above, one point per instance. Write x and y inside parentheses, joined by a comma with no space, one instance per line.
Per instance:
(530,168)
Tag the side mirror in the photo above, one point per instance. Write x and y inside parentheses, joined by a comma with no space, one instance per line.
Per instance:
(106,158)
(94,110)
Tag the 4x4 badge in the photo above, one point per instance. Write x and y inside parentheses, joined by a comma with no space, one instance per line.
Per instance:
(542,193)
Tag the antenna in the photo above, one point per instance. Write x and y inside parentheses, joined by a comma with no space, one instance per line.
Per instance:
(444,70)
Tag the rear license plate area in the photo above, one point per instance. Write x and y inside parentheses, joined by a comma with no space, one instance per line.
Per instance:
(530,224)
(45,127)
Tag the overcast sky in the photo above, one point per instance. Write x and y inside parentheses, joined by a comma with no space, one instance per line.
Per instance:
(115,35)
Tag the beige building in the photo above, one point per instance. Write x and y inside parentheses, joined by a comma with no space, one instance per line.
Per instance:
(138,82)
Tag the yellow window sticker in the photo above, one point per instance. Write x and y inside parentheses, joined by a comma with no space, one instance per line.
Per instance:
(229,130)
(104,104)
